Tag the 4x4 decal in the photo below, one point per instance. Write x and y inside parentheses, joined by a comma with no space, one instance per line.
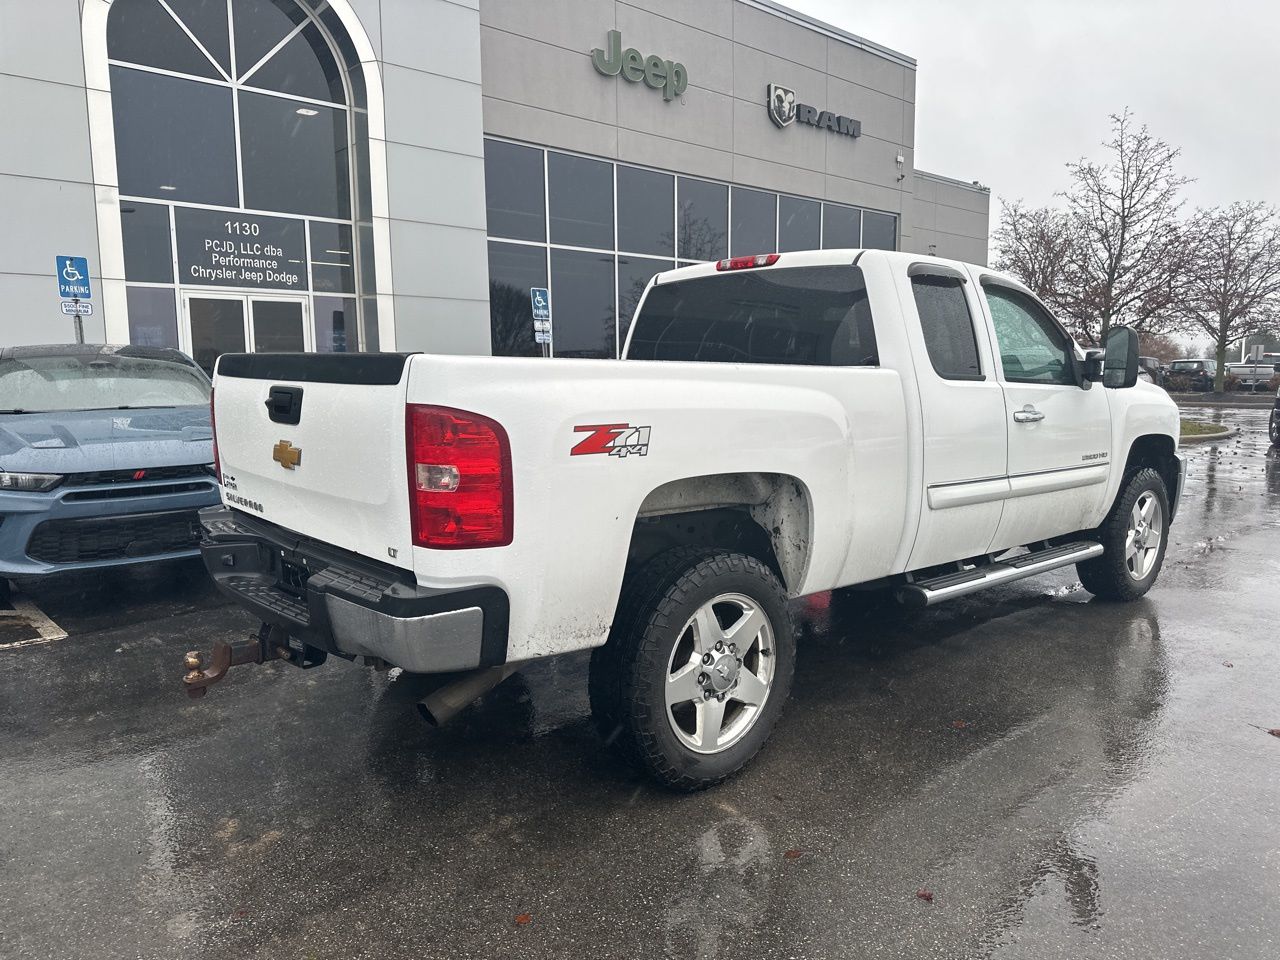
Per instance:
(615,439)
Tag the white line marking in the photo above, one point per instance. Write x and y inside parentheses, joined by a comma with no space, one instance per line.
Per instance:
(26,610)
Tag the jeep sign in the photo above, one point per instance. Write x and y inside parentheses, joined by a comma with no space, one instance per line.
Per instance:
(783,110)
(669,77)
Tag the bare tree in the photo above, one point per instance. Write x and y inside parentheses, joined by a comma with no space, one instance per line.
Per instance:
(1112,254)
(1034,245)
(1162,347)
(1232,286)
(1127,263)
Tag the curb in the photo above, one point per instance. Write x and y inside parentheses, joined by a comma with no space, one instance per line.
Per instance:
(1209,437)
(1208,400)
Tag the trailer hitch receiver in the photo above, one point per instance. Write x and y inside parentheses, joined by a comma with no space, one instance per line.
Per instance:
(270,643)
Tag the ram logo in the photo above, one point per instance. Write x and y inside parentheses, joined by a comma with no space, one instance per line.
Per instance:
(782,104)
(615,439)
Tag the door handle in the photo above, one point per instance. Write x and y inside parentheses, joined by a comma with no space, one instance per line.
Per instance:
(1028,414)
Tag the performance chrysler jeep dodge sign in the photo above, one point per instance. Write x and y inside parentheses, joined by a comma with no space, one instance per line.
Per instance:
(784,110)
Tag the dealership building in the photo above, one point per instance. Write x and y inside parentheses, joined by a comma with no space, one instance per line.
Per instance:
(227,175)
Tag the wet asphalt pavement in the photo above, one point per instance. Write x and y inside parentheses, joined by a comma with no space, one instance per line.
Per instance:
(1066,778)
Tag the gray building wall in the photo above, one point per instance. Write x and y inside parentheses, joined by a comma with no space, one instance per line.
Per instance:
(540,87)
(47,197)
(950,218)
(429,112)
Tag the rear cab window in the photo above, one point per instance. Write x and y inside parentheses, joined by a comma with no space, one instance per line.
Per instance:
(807,316)
(949,335)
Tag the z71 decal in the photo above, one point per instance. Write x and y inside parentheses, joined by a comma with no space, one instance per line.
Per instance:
(615,439)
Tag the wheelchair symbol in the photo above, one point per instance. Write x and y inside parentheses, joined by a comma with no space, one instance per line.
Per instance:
(538,301)
(70,273)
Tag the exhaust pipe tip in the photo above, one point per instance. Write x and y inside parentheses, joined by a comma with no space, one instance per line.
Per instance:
(441,705)
(428,715)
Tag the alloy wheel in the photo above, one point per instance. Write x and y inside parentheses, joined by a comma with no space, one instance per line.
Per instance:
(1142,541)
(720,673)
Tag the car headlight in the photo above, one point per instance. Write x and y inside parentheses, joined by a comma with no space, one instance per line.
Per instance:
(29,482)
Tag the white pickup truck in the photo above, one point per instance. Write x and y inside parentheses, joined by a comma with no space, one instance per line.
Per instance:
(781,425)
(1257,372)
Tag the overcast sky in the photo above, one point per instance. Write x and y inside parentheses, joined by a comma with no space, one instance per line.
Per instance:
(1010,90)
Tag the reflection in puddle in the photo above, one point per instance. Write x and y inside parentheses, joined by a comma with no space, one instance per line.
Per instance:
(726,893)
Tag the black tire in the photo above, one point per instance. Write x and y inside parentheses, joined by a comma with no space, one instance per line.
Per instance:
(1109,576)
(629,674)
(1274,428)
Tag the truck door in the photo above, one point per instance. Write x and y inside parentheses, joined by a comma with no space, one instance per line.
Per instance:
(962,410)
(1059,433)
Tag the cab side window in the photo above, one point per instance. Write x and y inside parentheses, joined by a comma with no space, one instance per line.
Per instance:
(1033,348)
(947,326)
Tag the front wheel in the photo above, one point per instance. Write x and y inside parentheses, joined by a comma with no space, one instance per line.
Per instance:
(1274,428)
(697,667)
(1134,537)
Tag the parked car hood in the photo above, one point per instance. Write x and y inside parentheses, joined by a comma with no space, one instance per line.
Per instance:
(77,441)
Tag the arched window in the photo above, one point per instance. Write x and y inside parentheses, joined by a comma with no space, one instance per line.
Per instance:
(242,163)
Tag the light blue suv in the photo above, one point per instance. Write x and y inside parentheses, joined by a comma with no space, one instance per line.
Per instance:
(106,455)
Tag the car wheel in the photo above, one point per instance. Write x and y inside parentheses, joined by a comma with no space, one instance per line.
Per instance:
(1274,428)
(1134,537)
(697,667)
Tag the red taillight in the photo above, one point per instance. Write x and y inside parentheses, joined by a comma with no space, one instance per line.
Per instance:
(213,426)
(459,478)
(746,263)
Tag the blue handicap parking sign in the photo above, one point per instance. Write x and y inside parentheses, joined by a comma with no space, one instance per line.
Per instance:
(73,278)
(541,298)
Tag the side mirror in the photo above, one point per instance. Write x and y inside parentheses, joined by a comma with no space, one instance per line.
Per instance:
(1093,360)
(1120,359)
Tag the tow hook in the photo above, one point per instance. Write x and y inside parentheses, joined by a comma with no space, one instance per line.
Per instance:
(270,643)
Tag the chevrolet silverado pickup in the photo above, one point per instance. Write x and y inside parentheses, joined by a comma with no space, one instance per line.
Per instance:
(779,425)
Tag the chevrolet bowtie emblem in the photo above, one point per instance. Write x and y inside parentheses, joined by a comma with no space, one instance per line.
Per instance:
(286,454)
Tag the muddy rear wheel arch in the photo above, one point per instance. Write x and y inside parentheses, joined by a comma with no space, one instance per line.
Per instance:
(768,516)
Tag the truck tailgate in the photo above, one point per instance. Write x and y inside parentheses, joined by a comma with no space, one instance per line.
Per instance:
(316,444)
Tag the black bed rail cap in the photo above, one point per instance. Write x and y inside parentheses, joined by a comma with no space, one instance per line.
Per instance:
(363,368)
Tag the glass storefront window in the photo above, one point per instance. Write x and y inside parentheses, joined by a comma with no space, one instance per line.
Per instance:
(277,326)
(239,161)
(515,192)
(606,219)
(580,193)
(141,31)
(295,157)
(755,222)
(304,67)
(207,20)
(175,138)
(799,224)
(646,211)
(513,270)
(841,226)
(153,316)
(703,209)
(582,299)
(260,25)
(335,319)
(148,248)
(879,231)
(332,257)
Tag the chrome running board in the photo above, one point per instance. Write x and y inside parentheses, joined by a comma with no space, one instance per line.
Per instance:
(926,593)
